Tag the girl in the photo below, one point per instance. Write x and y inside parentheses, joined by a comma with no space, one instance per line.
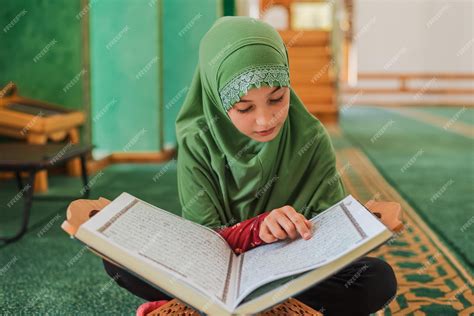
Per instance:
(255,165)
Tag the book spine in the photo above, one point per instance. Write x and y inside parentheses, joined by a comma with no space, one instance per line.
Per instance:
(229,274)
(239,274)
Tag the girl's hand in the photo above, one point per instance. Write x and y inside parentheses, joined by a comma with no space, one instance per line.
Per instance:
(284,222)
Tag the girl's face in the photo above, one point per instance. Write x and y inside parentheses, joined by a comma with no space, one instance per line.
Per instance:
(261,112)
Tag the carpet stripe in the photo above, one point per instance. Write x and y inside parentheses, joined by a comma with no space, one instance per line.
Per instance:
(457,127)
(441,282)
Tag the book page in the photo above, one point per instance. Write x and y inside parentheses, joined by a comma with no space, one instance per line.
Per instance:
(336,231)
(171,243)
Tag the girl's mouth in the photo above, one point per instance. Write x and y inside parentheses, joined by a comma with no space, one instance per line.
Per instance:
(266,132)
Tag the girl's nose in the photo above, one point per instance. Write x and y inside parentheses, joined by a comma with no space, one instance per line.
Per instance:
(264,119)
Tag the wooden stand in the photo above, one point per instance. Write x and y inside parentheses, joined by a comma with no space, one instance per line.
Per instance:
(37,122)
(80,211)
(390,213)
(288,308)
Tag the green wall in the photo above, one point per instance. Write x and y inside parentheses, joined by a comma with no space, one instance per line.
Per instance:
(184,24)
(158,42)
(41,51)
(228,7)
(142,55)
(125,85)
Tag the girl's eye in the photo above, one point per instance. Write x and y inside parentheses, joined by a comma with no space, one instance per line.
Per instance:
(244,111)
(276,100)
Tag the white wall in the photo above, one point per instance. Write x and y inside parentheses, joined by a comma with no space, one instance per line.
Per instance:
(415,35)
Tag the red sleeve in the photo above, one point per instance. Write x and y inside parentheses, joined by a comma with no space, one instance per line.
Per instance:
(243,236)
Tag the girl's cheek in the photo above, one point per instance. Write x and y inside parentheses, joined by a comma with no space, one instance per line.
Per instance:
(250,125)
(282,112)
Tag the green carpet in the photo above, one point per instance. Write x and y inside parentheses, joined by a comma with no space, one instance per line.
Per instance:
(431,281)
(465,115)
(432,168)
(48,273)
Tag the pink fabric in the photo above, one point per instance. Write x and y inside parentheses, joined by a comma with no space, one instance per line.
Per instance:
(149,307)
(244,236)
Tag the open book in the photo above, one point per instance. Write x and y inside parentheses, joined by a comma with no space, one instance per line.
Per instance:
(196,265)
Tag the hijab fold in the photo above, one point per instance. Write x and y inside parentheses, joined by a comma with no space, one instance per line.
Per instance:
(225,177)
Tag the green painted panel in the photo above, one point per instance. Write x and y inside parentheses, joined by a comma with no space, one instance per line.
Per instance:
(125,83)
(229,7)
(184,23)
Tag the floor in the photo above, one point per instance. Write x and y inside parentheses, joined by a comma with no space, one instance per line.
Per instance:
(421,157)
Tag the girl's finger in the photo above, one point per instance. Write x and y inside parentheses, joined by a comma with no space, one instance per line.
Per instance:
(275,228)
(266,235)
(299,222)
(288,226)
(309,224)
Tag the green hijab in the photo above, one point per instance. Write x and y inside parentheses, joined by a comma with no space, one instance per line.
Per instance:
(225,177)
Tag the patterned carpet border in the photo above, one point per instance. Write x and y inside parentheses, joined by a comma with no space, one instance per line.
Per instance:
(431,280)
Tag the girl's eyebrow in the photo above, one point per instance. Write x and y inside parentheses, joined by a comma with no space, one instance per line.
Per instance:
(273,91)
